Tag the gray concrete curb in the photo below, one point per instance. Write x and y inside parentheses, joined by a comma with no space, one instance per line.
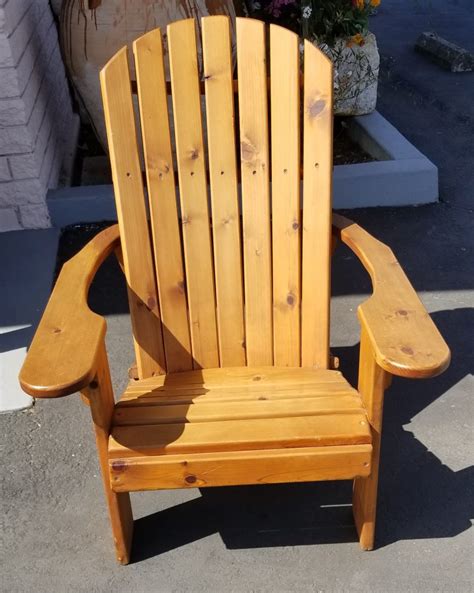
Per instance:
(402,176)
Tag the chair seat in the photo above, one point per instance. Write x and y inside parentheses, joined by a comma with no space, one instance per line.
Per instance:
(191,428)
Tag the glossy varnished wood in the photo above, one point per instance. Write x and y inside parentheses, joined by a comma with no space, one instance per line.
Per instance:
(99,395)
(217,57)
(63,355)
(373,381)
(254,155)
(240,467)
(158,156)
(193,192)
(286,224)
(130,202)
(317,200)
(403,336)
(231,331)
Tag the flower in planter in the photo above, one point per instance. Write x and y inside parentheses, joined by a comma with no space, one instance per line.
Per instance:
(341,30)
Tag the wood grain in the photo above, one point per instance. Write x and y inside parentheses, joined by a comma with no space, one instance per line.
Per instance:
(131,213)
(217,58)
(286,235)
(193,192)
(254,154)
(148,51)
(100,397)
(372,384)
(317,201)
(64,353)
(241,467)
(239,435)
(206,410)
(403,336)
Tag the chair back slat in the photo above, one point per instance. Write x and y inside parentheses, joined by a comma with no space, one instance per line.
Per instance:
(193,192)
(285,138)
(130,201)
(317,193)
(158,157)
(217,57)
(254,155)
(241,256)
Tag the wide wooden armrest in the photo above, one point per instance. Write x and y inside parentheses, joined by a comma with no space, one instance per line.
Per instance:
(63,356)
(404,338)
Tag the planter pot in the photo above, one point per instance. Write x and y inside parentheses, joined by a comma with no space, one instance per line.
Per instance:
(92,31)
(356,70)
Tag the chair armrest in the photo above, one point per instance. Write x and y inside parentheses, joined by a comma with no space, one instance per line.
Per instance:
(404,339)
(63,355)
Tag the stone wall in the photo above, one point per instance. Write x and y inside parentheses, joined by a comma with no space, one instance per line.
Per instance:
(38,129)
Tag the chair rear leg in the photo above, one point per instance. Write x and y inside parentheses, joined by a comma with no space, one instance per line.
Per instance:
(99,395)
(373,381)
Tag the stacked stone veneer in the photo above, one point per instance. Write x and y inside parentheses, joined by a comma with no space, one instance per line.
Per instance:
(37,126)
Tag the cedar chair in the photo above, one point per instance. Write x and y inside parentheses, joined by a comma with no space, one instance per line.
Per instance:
(229,297)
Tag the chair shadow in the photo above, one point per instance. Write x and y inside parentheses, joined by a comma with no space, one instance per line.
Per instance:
(419,496)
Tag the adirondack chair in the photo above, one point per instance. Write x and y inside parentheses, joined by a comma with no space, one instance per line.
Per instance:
(235,383)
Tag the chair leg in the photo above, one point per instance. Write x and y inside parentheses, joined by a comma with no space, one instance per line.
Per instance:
(373,381)
(99,395)
(121,519)
(364,499)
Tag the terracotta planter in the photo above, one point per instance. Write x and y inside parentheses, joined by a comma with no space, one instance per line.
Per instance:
(91,31)
(356,70)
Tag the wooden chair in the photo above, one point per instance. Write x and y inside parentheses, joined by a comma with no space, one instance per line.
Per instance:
(234,377)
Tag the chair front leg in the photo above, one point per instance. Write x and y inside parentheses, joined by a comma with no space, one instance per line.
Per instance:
(373,381)
(99,395)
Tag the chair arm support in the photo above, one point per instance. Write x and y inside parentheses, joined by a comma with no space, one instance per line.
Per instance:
(404,339)
(64,354)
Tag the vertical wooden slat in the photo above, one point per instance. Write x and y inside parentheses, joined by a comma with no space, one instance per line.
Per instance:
(251,63)
(285,113)
(317,172)
(193,192)
(223,176)
(130,201)
(151,83)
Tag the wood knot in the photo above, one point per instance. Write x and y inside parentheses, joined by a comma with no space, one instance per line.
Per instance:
(262,398)
(257,378)
(163,169)
(247,151)
(119,465)
(290,299)
(57,330)
(190,479)
(296,225)
(402,312)
(194,154)
(317,107)
(407,350)
(151,303)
